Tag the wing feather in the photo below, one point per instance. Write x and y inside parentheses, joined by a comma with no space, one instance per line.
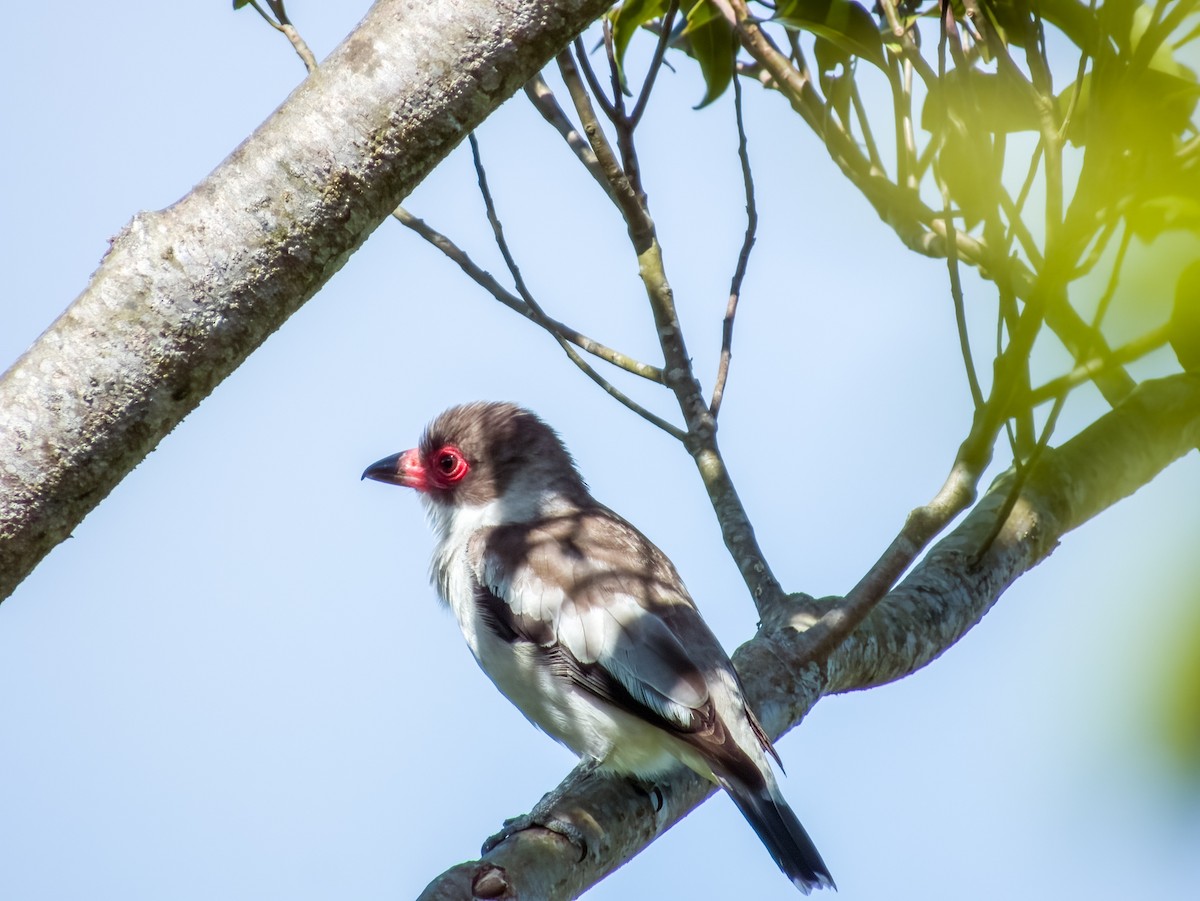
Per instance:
(596,615)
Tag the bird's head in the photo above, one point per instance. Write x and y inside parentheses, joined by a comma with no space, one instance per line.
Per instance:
(478,453)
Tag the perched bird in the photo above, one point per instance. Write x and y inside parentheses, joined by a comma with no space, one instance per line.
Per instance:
(582,622)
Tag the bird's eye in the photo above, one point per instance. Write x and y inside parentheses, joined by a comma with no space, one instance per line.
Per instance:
(449,466)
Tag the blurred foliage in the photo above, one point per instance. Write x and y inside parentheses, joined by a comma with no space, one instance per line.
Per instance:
(1050,145)
(1185,325)
(1180,693)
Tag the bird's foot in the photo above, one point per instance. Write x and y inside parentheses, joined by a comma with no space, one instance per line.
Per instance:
(543,816)
(542,819)
(650,789)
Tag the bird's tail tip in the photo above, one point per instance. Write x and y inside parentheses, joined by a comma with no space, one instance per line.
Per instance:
(807,882)
(782,834)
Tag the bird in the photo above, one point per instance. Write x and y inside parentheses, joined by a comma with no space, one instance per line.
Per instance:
(582,622)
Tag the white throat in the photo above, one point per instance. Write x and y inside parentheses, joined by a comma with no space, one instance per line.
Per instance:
(454,525)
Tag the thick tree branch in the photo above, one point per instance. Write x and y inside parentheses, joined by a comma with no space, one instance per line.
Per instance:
(940,601)
(185,294)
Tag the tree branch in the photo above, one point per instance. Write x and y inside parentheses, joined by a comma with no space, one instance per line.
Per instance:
(487,281)
(185,294)
(530,301)
(743,260)
(544,102)
(680,378)
(940,601)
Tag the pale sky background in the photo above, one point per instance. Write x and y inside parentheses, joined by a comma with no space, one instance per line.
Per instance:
(234,681)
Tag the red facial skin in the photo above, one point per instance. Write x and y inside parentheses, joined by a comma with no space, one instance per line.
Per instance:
(440,471)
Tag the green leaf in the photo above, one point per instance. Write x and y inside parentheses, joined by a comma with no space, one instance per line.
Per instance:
(714,45)
(979,100)
(1161,60)
(1168,212)
(836,87)
(1185,319)
(829,56)
(238,4)
(841,22)
(628,18)
(965,163)
(1077,127)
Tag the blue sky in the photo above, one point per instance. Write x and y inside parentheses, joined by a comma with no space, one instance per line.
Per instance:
(234,680)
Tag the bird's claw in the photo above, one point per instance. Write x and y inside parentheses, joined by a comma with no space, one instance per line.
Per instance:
(513,825)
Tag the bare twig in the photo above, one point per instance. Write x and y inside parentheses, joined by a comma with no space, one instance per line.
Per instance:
(1077,90)
(864,124)
(1016,224)
(641,229)
(960,312)
(282,24)
(1020,477)
(485,280)
(735,286)
(589,75)
(1094,366)
(527,296)
(621,122)
(700,439)
(664,35)
(1024,469)
(956,293)
(921,527)
(1098,246)
(1162,24)
(544,102)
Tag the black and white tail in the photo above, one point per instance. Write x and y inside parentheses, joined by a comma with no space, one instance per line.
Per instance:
(779,829)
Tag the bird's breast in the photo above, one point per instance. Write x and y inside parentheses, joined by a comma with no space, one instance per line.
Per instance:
(524,672)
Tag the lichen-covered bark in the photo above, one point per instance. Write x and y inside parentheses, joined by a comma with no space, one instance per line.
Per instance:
(185,294)
(944,596)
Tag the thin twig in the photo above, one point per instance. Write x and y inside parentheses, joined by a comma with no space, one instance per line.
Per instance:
(285,26)
(1077,90)
(922,526)
(739,274)
(527,296)
(1060,399)
(1159,30)
(621,192)
(700,440)
(864,125)
(639,107)
(1113,277)
(593,82)
(956,292)
(1091,368)
(262,12)
(621,122)
(487,281)
(544,102)
(1018,482)
(960,312)
(1099,245)
(1017,227)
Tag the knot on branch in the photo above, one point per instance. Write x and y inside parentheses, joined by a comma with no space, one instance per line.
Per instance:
(796,612)
(491,882)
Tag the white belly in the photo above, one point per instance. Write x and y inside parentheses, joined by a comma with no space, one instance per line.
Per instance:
(585,723)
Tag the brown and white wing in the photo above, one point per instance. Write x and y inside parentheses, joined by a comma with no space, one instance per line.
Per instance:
(595,614)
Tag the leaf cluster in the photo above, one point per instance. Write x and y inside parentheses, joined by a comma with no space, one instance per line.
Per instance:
(998,160)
